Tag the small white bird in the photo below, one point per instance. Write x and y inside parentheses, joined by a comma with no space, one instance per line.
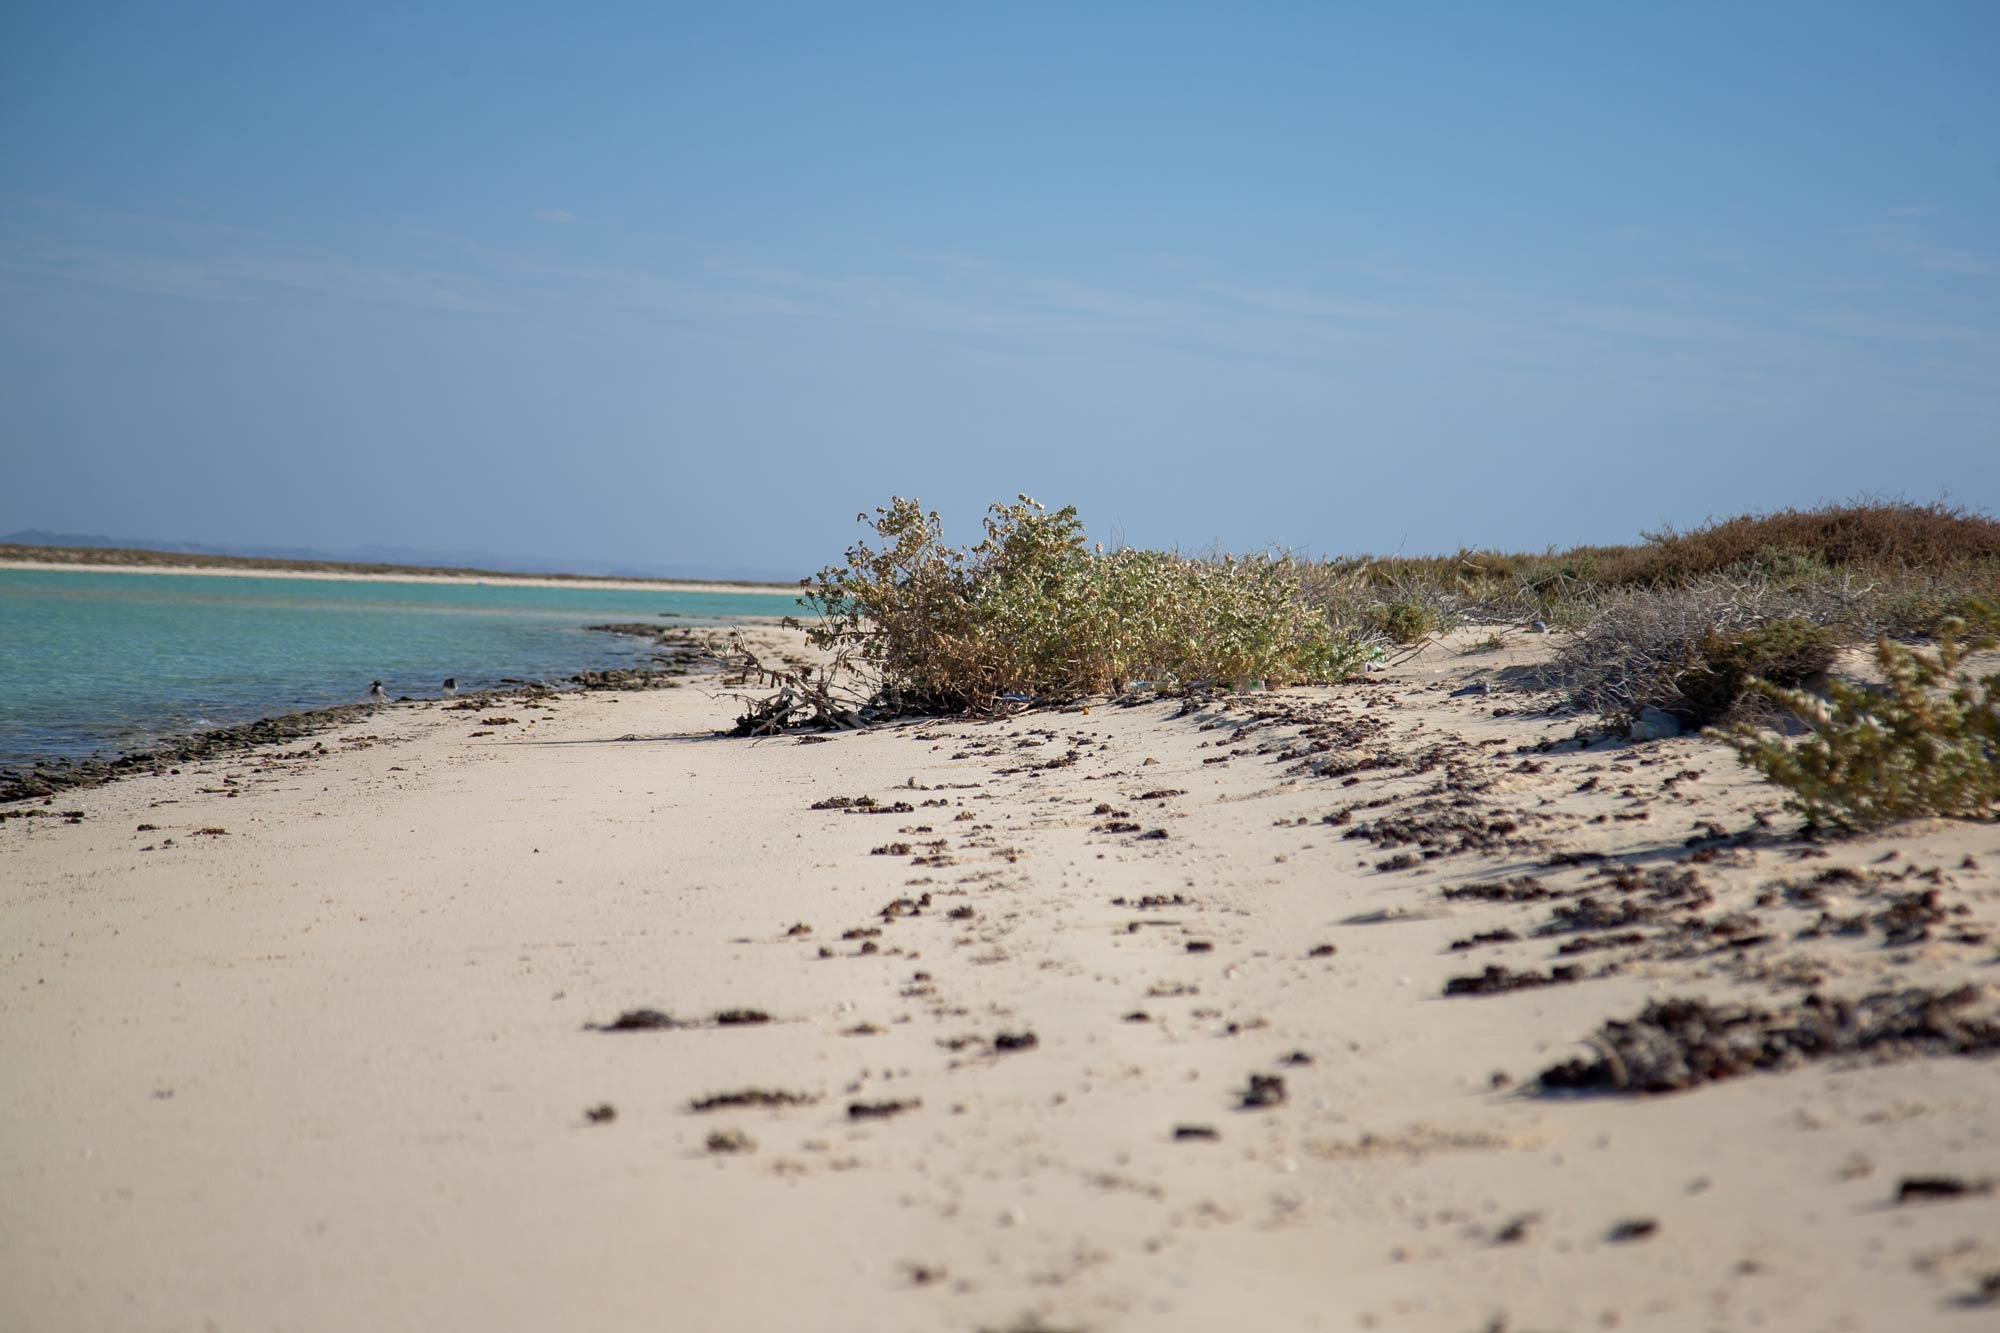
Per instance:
(451,687)
(377,693)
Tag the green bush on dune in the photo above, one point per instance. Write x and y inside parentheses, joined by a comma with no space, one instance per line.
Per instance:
(1787,652)
(1411,617)
(1033,610)
(1926,743)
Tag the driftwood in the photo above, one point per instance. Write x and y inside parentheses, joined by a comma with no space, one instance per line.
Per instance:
(806,696)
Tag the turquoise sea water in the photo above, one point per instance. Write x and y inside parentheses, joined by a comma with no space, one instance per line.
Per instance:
(102,663)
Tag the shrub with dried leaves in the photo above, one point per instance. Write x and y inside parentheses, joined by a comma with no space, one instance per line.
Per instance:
(1692,650)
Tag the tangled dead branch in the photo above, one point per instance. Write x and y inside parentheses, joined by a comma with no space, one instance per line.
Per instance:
(821,696)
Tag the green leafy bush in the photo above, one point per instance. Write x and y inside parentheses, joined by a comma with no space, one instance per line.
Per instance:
(1926,744)
(1408,617)
(1787,652)
(1034,611)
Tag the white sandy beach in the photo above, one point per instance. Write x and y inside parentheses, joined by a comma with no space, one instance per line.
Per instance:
(304,1042)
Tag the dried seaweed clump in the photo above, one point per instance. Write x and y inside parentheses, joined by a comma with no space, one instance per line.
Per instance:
(1682,1043)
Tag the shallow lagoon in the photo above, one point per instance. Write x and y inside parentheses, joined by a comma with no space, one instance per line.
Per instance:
(103,662)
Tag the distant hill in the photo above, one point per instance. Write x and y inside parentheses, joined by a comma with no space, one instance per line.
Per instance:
(401,559)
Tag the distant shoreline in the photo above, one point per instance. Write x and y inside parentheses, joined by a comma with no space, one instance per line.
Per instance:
(122,561)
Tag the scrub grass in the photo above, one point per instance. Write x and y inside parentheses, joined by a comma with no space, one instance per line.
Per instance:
(1898,568)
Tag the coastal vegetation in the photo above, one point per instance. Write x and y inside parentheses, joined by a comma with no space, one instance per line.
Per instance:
(1925,743)
(1732,623)
(1871,539)
(1738,624)
(1681,621)
(1034,612)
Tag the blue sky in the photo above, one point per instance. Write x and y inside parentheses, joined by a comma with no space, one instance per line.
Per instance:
(682,285)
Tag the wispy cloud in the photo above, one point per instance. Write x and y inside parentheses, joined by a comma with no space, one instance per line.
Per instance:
(554,215)
(1144,315)
(153,275)
(262,274)
(1907,240)
(195,261)
(1889,328)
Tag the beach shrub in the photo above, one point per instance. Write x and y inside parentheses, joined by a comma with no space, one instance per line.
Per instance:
(1864,534)
(1785,652)
(1903,568)
(1920,603)
(1692,650)
(1926,743)
(1407,601)
(1035,612)
(1408,617)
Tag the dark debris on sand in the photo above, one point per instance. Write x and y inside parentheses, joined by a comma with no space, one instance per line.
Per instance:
(654,1020)
(1264,1091)
(1483,937)
(638,1020)
(1643,897)
(864,805)
(1682,1043)
(46,779)
(751,1098)
(1497,980)
(628,678)
(1441,828)
(1915,1188)
(1519,889)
